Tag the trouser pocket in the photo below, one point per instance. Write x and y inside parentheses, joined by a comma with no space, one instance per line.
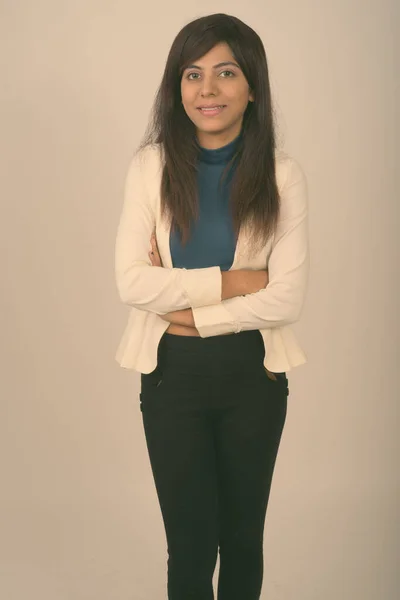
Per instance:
(277,378)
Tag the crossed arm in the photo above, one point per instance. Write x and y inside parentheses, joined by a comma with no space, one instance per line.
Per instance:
(177,317)
(234,283)
(194,293)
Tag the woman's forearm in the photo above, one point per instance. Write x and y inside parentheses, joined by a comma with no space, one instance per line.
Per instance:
(243,281)
(234,283)
(180,317)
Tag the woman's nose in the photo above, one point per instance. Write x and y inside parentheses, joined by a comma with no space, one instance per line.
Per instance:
(209,86)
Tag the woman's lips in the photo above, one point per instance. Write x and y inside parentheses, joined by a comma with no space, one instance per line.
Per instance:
(211,112)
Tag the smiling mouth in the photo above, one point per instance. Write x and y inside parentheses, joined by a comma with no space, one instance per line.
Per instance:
(216,110)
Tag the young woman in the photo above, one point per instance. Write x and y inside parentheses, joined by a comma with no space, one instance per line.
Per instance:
(224,216)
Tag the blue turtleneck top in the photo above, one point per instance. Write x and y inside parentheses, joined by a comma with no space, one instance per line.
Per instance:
(212,241)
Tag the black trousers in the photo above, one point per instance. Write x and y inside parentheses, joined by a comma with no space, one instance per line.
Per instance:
(213,420)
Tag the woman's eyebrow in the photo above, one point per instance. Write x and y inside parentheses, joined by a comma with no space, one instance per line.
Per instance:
(219,65)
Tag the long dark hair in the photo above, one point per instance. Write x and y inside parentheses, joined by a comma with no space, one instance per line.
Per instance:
(254,197)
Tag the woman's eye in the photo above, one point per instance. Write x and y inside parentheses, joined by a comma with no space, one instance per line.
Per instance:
(191,78)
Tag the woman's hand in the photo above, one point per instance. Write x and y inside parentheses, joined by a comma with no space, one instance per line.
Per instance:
(154,253)
(185,319)
(182,328)
(155,258)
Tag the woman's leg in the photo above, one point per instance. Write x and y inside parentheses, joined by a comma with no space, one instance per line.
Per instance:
(247,440)
(182,456)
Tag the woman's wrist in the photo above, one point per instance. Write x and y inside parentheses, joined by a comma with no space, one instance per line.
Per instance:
(233,284)
(180,317)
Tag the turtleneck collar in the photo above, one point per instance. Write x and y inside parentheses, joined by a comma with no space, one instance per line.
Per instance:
(219,155)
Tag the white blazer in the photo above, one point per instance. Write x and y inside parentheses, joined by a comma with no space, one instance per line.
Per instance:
(151,291)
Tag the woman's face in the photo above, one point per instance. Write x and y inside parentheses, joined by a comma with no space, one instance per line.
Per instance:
(208,82)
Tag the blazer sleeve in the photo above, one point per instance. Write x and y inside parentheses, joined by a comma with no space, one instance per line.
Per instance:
(155,289)
(281,301)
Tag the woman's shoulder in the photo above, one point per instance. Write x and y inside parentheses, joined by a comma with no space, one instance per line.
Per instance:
(150,153)
(146,161)
(287,169)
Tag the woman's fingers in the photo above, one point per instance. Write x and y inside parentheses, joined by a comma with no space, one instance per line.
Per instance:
(154,246)
(154,254)
(153,259)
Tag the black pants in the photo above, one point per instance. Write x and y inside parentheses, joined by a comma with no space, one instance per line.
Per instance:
(213,421)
